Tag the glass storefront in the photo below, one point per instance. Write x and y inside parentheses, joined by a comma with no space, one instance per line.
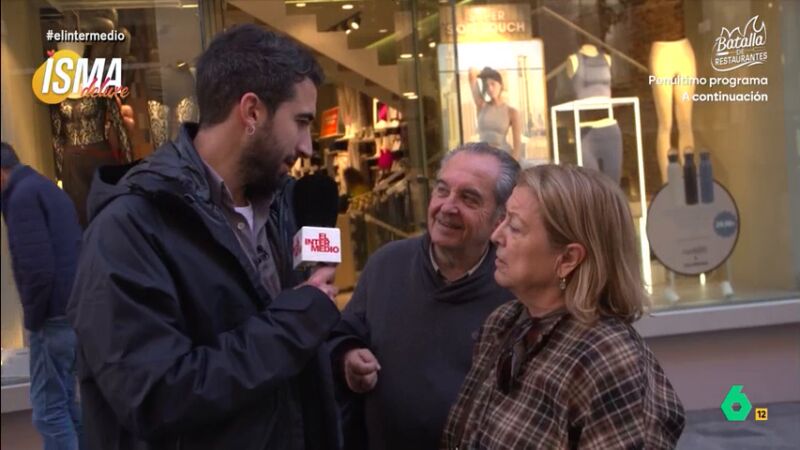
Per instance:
(684,103)
(691,106)
(156,47)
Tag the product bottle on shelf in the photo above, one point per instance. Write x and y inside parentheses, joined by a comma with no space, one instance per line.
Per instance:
(675,178)
(690,178)
(706,179)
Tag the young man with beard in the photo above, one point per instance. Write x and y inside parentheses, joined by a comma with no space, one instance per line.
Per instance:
(406,337)
(192,333)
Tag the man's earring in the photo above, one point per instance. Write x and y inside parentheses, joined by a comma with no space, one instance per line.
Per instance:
(562,284)
(250,130)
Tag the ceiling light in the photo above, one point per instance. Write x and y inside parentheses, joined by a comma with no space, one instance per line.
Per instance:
(420,55)
(300,5)
(406,56)
(355,23)
(383,30)
(409,94)
(348,31)
(432,44)
(347,6)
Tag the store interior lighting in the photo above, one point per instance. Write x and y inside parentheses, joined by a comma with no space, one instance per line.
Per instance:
(349,24)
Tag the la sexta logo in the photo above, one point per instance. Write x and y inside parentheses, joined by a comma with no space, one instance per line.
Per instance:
(741,46)
(66,74)
(736,406)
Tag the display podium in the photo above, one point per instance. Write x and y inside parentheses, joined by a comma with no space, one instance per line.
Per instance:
(598,103)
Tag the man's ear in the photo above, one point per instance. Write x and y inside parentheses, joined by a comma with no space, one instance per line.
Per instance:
(251,110)
(570,259)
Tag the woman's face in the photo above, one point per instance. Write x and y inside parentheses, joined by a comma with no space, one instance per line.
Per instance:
(526,261)
(494,88)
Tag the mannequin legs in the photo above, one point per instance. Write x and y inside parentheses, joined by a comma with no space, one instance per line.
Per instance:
(602,150)
(662,95)
(670,59)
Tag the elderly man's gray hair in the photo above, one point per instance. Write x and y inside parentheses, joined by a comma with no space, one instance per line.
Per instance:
(509,169)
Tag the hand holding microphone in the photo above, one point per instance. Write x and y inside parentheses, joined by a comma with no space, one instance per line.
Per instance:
(317,243)
(322,279)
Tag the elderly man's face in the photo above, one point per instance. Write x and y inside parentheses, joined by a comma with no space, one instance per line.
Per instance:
(461,214)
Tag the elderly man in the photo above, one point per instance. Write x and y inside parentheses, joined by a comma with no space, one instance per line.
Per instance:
(405,339)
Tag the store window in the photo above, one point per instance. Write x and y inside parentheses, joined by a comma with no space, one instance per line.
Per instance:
(145,56)
(685,104)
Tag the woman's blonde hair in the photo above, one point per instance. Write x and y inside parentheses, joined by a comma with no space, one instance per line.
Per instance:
(584,206)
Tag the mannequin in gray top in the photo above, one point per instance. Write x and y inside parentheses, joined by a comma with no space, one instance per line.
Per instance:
(589,70)
(495,116)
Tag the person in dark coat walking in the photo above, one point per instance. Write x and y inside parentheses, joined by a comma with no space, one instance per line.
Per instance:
(44,239)
(192,333)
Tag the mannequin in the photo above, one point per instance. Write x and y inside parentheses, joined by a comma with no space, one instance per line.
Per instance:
(495,116)
(589,71)
(80,128)
(123,50)
(671,55)
(595,82)
(172,100)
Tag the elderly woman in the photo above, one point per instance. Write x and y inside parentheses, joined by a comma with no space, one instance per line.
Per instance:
(562,367)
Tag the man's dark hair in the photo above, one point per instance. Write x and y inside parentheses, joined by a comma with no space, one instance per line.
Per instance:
(8,157)
(247,58)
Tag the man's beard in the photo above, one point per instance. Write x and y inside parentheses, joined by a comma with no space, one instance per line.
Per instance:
(260,166)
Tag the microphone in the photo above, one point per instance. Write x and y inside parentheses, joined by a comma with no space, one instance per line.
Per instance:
(316,207)
(316,201)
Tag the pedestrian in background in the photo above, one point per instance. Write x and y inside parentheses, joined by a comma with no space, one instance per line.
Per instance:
(44,240)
